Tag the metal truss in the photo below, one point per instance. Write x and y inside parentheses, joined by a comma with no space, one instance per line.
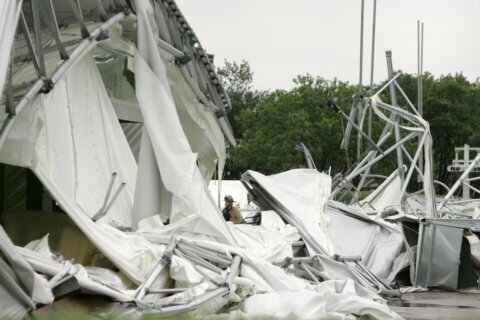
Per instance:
(310,267)
(462,180)
(202,258)
(404,125)
(39,18)
(178,38)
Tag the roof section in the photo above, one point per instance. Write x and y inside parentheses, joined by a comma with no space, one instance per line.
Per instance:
(44,28)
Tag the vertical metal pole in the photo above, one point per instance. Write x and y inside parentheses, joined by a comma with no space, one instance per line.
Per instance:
(52,22)
(38,37)
(9,101)
(372,66)
(219,185)
(419,83)
(28,40)
(420,101)
(466,159)
(396,128)
(359,137)
(418,67)
(361,49)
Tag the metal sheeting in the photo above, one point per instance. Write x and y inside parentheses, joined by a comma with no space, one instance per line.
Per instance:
(444,257)
(438,257)
(133,133)
(15,181)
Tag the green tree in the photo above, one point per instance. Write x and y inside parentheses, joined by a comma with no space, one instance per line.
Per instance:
(270,124)
(284,118)
(237,80)
(451,107)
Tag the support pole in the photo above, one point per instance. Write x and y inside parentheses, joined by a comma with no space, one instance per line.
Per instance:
(419,79)
(466,159)
(360,85)
(372,66)
(396,128)
(152,277)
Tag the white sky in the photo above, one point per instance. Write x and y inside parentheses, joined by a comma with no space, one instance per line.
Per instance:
(284,38)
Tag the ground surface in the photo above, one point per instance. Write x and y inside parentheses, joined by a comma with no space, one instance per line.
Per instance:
(438,305)
(419,305)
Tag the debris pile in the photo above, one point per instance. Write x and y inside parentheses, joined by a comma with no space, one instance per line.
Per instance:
(112,126)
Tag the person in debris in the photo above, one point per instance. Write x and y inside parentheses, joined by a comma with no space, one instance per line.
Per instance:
(231,213)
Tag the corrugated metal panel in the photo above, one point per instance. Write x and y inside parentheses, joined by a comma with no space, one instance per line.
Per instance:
(15,188)
(133,133)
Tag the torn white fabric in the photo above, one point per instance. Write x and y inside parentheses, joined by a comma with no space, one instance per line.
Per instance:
(151,198)
(71,134)
(304,192)
(193,210)
(377,245)
(51,267)
(323,304)
(272,221)
(73,142)
(385,195)
(199,124)
(21,288)
(34,285)
(264,243)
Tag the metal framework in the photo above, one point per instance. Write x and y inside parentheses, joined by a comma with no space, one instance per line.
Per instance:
(310,267)
(202,258)
(404,125)
(40,18)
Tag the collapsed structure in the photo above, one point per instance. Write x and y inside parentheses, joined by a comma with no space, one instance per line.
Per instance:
(113,122)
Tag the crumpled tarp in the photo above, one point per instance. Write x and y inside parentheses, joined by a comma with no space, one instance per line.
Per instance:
(304,192)
(378,242)
(39,256)
(20,287)
(193,210)
(71,139)
(327,302)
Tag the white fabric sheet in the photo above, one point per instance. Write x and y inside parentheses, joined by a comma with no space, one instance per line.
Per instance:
(385,195)
(377,245)
(326,303)
(48,266)
(73,142)
(304,192)
(193,209)
(199,124)
(20,287)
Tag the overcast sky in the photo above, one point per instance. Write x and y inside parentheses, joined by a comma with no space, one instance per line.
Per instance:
(284,38)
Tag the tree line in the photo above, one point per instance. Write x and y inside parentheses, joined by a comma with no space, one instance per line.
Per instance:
(270,123)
